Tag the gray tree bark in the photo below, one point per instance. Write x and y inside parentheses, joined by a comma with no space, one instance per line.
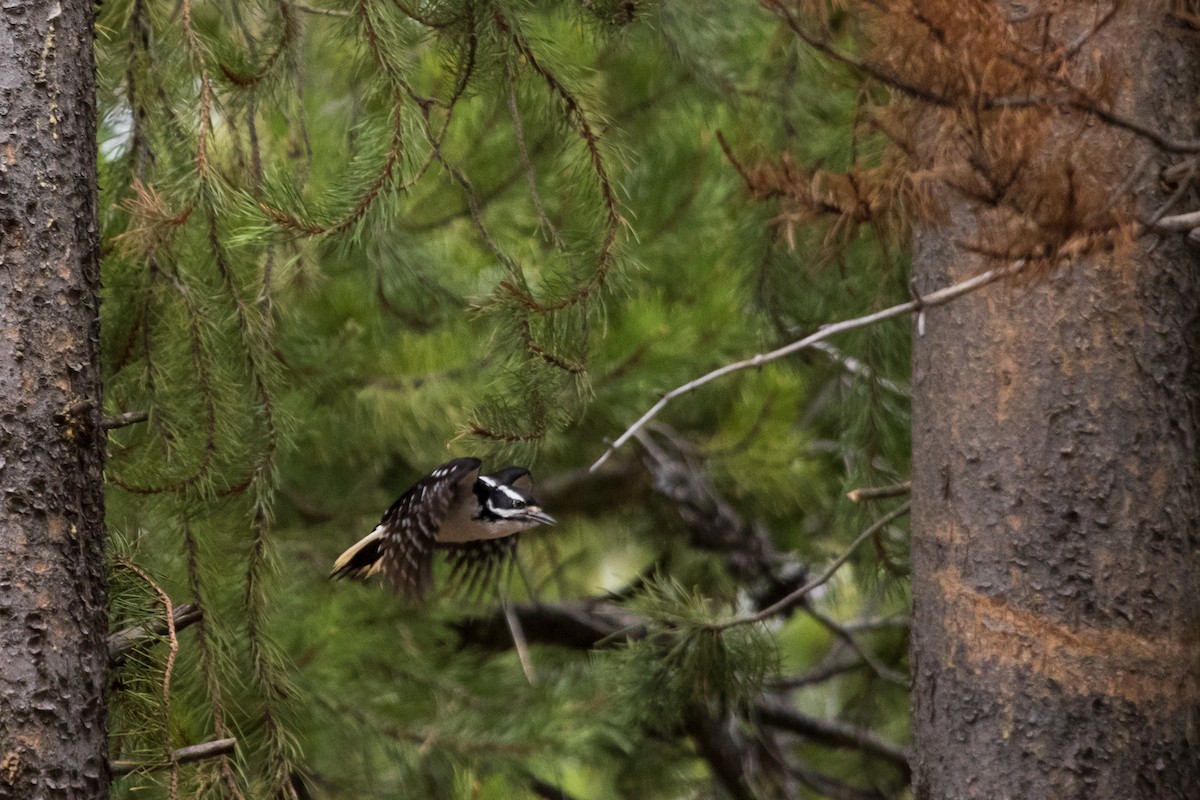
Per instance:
(53,620)
(1056,513)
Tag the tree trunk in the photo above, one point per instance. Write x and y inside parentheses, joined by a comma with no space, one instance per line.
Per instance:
(1056,580)
(53,616)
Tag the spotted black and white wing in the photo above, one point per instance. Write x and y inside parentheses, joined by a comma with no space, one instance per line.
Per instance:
(476,567)
(401,546)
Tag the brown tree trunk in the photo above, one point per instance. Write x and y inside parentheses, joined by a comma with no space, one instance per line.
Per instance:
(53,617)
(1056,578)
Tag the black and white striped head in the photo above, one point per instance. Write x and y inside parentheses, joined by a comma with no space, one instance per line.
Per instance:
(507,496)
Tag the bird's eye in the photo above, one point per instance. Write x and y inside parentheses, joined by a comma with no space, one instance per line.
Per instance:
(518,503)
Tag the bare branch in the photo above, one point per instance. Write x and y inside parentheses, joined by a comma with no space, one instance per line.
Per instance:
(121,420)
(940,297)
(519,643)
(184,755)
(865,493)
(794,597)
(325,12)
(121,642)
(828,669)
(878,667)
(1179,223)
(831,732)
(855,367)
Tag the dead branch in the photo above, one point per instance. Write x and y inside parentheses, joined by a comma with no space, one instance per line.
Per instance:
(883,671)
(184,755)
(799,594)
(1179,223)
(864,493)
(831,732)
(121,420)
(122,642)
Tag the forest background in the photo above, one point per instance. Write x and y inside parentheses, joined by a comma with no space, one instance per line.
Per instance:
(343,244)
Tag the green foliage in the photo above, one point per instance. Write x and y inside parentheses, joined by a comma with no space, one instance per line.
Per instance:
(340,249)
(684,663)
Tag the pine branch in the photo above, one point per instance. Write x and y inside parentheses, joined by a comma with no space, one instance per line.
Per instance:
(184,755)
(124,641)
(938,298)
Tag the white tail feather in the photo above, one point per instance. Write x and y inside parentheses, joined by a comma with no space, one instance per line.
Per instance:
(352,551)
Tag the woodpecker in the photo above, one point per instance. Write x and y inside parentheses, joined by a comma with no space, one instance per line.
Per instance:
(475,518)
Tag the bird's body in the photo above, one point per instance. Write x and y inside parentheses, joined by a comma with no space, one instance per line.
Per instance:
(474,518)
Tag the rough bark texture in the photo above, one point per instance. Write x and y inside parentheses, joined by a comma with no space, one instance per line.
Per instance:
(1056,488)
(53,655)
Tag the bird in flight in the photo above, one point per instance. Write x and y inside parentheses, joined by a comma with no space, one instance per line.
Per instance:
(474,518)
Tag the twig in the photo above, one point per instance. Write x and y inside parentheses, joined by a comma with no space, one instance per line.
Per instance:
(878,624)
(184,755)
(858,368)
(121,420)
(1177,172)
(793,597)
(824,671)
(575,626)
(121,642)
(878,667)
(1175,197)
(519,643)
(327,12)
(1179,223)
(864,493)
(940,297)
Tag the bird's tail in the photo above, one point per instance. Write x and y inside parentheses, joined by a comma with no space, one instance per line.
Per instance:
(362,560)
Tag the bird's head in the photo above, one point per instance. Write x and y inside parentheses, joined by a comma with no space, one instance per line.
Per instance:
(507,496)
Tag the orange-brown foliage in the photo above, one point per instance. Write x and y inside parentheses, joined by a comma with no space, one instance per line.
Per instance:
(998,103)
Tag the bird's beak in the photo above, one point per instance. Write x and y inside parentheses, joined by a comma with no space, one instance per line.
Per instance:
(535,513)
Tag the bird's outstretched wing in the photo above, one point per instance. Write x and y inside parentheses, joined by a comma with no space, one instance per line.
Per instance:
(401,546)
(477,566)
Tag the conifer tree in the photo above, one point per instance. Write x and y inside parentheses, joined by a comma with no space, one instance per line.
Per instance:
(1053,441)
(346,242)
(349,242)
(52,588)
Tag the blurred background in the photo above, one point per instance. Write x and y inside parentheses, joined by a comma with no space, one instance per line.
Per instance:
(344,244)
